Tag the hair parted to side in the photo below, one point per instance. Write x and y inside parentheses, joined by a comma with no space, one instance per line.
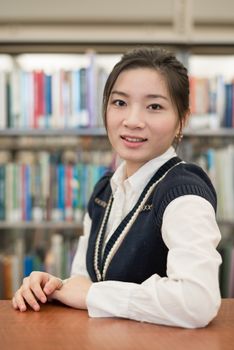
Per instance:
(162,61)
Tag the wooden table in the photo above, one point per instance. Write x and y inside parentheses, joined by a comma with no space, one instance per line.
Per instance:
(57,327)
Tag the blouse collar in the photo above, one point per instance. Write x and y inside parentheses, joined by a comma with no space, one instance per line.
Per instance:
(141,177)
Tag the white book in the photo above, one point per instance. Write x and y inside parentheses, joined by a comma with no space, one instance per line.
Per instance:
(15,273)
(57,253)
(16,97)
(3,101)
(9,192)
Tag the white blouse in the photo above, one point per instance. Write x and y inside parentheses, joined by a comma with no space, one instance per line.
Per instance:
(189,296)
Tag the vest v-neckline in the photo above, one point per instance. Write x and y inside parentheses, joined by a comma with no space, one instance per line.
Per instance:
(102,261)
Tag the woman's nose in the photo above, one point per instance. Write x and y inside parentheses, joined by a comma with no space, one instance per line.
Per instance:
(134,119)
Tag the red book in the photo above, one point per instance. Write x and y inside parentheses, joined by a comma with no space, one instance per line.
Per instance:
(39,99)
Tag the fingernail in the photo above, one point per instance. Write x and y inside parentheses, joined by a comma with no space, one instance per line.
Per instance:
(43,299)
(22,308)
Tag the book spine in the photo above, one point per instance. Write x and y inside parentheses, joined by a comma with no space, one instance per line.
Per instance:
(3,100)
(61,194)
(228,106)
(27,265)
(68,193)
(75,98)
(48,100)
(84,116)
(2,192)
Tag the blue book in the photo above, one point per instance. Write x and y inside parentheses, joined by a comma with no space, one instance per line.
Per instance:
(228,106)
(27,265)
(210,158)
(9,102)
(2,192)
(28,198)
(48,100)
(75,194)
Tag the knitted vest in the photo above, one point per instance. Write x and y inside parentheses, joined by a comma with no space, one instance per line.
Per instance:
(136,249)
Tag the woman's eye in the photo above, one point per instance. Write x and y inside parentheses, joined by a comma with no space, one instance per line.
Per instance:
(155,106)
(119,103)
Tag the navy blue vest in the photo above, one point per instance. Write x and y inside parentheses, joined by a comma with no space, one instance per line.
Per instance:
(141,252)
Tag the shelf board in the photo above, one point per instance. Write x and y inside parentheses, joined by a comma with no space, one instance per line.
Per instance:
(92,131)
(47,225)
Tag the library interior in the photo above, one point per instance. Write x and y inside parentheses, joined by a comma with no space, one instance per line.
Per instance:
(55,57)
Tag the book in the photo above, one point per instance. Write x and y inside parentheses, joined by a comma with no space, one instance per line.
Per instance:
(40,186)
(212,161)
(68,192)
(48,100)
(228,106)
(39,99)
(209,102)
(3,100)
(2,191)
(28,265)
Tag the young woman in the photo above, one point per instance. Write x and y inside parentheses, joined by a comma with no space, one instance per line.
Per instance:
(148,252)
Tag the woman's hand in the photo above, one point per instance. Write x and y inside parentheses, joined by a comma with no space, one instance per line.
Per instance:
(73,292)
(38,286)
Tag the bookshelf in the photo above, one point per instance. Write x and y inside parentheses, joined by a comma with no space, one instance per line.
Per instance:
(70,40)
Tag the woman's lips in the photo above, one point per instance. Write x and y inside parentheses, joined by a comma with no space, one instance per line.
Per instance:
(134,139)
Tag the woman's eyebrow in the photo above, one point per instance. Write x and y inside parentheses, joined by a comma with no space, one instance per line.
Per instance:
(121,93)
(156,96)
(124,94)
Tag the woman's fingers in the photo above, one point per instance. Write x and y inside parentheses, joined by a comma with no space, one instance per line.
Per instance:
(52,284)
(35,288)
(31,291)
(36,283)
(30,298)
(24,296)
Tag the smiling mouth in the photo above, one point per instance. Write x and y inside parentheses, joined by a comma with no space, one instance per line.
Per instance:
(133,139)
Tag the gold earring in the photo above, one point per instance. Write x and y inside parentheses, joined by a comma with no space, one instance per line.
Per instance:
(179,136)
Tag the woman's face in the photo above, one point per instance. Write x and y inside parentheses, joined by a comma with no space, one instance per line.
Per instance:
(141,119)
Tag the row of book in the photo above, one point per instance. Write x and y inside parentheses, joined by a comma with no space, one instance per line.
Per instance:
(43,186)
(58,99)
(53,254)
(72,98)
(56,186)
(219,164)
(211,102)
